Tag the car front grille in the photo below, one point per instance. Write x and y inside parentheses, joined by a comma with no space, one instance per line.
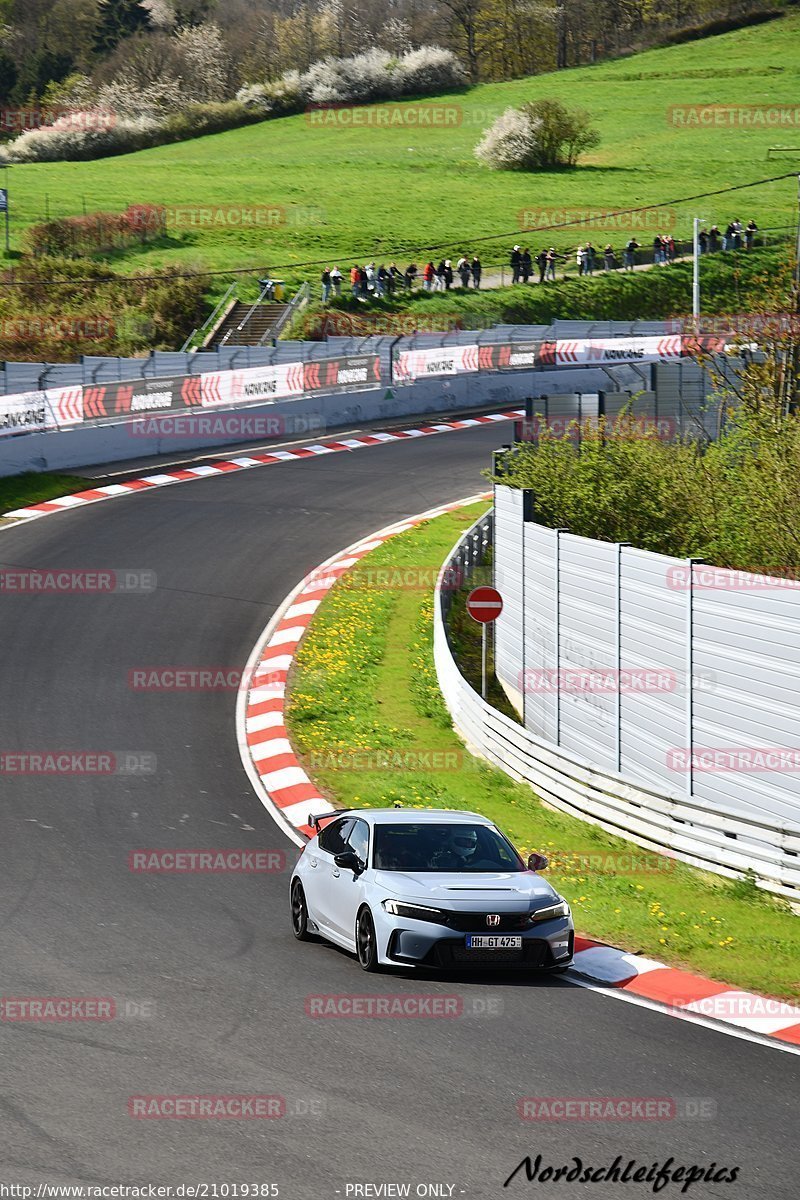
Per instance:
(476,922)
(456,954)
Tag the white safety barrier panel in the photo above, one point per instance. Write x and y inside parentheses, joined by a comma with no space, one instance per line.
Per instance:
(718,839)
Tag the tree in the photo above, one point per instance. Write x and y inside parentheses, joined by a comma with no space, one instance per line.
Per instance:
(120,19)
(466,14)
(537,137)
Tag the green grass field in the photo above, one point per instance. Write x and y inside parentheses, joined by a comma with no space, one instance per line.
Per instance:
(365,683)
(390,192)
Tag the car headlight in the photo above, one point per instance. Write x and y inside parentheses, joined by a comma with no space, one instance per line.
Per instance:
(553,910)
(415,912)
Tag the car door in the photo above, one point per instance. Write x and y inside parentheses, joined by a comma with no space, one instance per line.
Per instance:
(317,878)
(346,887)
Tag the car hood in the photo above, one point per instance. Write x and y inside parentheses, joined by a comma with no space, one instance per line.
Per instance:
(460,890)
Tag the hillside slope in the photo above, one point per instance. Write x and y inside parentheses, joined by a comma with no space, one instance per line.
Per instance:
(383,192)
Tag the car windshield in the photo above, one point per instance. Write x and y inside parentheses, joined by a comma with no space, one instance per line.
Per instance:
(442,847)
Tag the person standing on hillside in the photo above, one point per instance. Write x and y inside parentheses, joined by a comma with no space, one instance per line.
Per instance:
(750,234)
(477,270)
(428,275)
(714,237)
(702,241)
(580,259)
(464,271)
(588,259)
(326,285)
(633,246)
(336,280)
(411,273)
(355,281)
(552,258)
(609,261)
(516,263)
(541,262)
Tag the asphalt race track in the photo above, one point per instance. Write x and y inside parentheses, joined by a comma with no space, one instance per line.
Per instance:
(210,985)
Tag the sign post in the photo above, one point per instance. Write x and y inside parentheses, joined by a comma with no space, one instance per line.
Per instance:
(484,605)
(4,209)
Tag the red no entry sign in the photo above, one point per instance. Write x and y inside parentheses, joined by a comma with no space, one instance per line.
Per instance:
(484,604)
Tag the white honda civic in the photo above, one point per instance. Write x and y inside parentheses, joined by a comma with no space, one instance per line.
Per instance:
(430,888)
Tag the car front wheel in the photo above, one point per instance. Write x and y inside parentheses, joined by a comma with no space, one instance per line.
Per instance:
(366,945)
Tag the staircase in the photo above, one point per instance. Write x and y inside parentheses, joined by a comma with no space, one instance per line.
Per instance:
(256,329)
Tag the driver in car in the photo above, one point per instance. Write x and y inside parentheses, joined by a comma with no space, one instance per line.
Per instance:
(457,852)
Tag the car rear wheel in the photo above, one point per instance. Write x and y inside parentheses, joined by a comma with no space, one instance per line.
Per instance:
(300,913)
(366,946)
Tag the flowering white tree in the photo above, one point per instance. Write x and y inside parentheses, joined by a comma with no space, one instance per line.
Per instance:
(511,143)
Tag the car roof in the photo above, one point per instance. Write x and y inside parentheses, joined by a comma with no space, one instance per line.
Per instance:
(425,816)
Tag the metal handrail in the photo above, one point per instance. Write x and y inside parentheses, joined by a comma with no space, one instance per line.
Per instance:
(266,289)
(298,301)
(195,332)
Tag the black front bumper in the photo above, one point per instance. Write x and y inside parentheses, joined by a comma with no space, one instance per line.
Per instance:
(449,953)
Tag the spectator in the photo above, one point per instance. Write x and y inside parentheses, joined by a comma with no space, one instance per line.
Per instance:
(382,280)
(428,276)
(737,234)
(464,270)
(363,281)
(541,262)
(588,258)
(526,265)
(672,250)
(336,280)
(702,241)
(659,249)
(727,239)
(371,276)
(355,282)
(630,252)
(326,285)
(448,274)
(395,278)
(438,279)
(714,238)
(550,273)
(410,276)
(516,264)
(580,259)
(477,270)
(750,234)
(609,261)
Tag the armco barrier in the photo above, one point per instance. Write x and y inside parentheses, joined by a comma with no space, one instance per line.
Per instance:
(388,378)
(716,840)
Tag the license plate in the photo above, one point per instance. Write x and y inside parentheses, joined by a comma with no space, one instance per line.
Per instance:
(494,941)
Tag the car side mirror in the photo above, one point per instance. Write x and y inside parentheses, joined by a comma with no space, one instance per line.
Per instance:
(349,861)
(537,862)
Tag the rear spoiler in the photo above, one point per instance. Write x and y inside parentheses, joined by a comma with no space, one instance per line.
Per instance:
(315,822)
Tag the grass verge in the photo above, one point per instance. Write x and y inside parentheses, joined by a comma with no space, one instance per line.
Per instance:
(366,716)
(16,491)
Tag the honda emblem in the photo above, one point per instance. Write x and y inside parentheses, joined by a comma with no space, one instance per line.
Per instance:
(493,919)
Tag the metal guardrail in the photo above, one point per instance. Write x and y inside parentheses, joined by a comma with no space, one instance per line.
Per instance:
(198,333)
(298,301)
(266,290)
(724,842)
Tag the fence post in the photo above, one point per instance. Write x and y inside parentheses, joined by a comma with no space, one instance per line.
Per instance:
(618,652)
(690,676)
(557,630)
